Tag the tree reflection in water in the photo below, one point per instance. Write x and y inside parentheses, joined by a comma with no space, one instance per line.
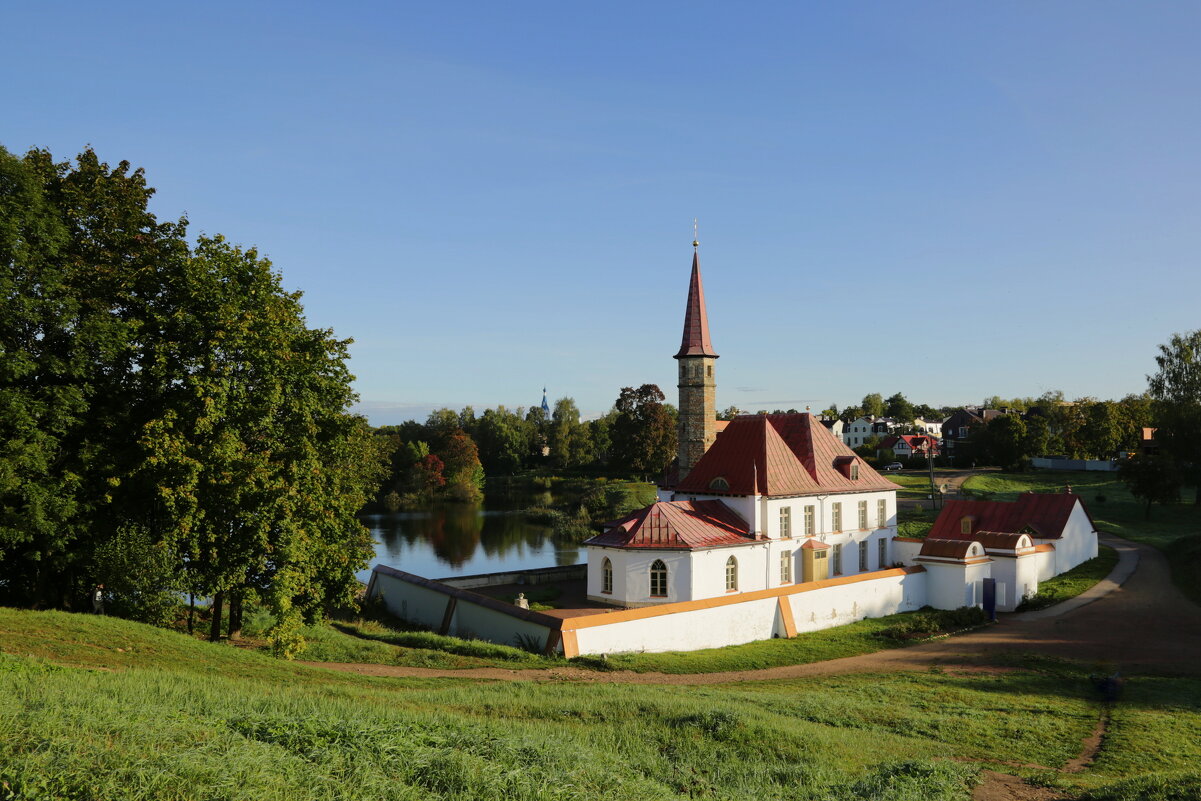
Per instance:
(462,539)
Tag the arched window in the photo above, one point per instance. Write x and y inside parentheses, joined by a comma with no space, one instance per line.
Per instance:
(731,574)
(606,576)
(658,579)
(720,484)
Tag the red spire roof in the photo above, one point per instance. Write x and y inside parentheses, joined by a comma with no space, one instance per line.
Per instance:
(696,320)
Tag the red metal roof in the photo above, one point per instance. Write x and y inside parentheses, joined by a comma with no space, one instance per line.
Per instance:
(1045,513)
(780,454)
(676,525)
(946,549)
(1001,541)
(696,319)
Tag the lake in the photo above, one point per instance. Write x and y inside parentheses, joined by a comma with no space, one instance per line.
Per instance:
(462,540)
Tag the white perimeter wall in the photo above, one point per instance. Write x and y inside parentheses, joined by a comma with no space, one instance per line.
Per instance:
(758,619)
(427,607)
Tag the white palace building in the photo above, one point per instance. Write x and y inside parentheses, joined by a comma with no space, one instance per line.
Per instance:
(772,528)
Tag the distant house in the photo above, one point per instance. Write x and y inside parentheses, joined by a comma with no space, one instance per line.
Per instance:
(908,445)
(860,430)
(1147,445)
(923,426)
(834,425)
(957,428)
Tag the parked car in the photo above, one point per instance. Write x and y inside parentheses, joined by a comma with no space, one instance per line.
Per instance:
(892,466)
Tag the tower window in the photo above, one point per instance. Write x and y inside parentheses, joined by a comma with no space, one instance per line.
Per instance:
(709,371)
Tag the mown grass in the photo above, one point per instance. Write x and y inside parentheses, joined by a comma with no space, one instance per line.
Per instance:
(209,723)
(373,642)
(1070,584)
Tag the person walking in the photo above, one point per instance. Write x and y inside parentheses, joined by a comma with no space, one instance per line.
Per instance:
(98,599)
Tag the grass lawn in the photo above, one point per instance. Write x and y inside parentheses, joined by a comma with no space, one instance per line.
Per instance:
(1174,529)
(1072,583)
(911,486)
(863,637)
(193,720)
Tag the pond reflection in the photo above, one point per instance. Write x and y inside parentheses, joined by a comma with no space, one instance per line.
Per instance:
(461,539)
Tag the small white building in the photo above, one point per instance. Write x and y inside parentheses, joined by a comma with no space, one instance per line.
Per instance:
(776,501)
(932,427)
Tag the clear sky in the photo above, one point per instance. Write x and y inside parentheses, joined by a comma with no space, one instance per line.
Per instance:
(947,199)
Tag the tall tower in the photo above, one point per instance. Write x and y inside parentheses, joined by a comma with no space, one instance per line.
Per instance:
(698,401)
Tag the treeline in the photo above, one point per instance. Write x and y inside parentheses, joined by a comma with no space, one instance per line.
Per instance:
(448,456)
(1050,426)
(169,423)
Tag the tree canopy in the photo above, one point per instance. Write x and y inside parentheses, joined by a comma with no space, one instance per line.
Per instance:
(170,422)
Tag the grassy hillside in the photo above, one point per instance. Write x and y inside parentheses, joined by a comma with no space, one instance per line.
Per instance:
(159,716)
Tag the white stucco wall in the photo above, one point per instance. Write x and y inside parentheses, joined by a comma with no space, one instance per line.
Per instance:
(846,603)
(757,619)
(685,631)
(952,585)
(1016,577)
(427,607)
(1077,544)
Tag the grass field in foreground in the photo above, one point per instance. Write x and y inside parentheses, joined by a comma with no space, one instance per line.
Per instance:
(204,721)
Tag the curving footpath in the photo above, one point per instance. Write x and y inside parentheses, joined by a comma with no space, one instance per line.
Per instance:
(1134,620)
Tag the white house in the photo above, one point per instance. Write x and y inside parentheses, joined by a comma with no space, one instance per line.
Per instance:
(771,529)
(923,426)
(776,501)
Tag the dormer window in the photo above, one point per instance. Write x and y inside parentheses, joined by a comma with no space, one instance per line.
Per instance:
(965,524)
(720,484)
(854,472)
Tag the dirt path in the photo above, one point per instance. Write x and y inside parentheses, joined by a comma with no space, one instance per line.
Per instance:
(1133,621)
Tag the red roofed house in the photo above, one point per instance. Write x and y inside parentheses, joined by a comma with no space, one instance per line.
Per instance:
(1059,524)
(743,504)
(910,445)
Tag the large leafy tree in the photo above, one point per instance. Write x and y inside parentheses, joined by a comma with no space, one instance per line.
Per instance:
(190,427)
(1175,389)
(643,433)
(899,408)
(873,404)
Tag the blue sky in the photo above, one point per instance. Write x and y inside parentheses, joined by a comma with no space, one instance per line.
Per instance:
(947,199)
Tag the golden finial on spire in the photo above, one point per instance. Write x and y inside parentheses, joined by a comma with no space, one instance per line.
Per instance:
(695,241)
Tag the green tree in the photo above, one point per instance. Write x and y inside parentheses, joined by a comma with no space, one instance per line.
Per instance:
(193,419)
(1152,479)
(567,438)
(1175,389)
(729,413)
(644,431)
(898,408)
(501,441)
(1002,441)
(873,404)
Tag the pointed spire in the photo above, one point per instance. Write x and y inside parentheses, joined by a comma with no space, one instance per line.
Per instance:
(545,405)
(695,341)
